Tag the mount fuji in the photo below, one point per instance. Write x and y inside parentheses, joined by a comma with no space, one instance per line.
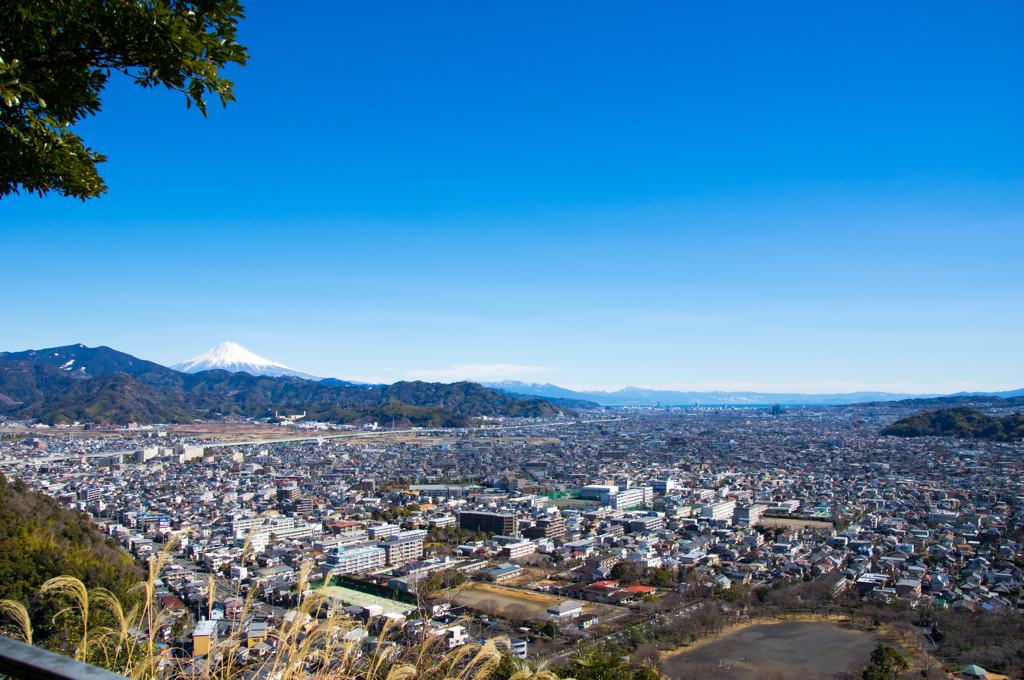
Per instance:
(230,356)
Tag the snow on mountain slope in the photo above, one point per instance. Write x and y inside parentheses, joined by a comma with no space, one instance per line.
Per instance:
(230,356)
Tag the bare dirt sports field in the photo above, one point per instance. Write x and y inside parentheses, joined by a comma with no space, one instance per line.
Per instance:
(808,649)
(478,592)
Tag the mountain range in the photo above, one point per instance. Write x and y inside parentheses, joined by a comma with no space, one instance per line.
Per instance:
(76,383)
(639,396)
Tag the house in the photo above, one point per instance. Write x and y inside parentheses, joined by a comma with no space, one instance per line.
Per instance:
(438,606)
(599,593)
(566,610)
(909,588)
(502,572)
(692,557)
(622,597)
(173,605)
(204,637)
(256,634)
(517,648)
(834,579)
(233,606)
(455,636)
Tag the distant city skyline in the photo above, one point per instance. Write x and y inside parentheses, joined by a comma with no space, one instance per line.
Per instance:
(801,198)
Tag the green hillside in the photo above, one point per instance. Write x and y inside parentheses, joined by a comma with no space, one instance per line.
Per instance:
(963,422)
(24,385)
(117,398)
(40,540)
(954,401)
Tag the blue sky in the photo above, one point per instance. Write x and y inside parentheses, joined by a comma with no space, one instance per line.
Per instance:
(804,197)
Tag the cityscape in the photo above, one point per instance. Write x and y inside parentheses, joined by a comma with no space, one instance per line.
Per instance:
(586,527)
(511,341)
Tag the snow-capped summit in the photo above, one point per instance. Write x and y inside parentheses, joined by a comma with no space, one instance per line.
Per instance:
(230,356)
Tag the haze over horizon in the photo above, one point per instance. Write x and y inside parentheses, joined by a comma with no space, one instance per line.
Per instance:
(781,199)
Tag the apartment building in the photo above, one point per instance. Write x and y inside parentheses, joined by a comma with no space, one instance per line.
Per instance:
(354,560)
(516,550)
(549,527)
(493,522)
(402,548)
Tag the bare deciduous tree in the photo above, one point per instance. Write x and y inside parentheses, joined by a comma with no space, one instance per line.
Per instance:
(517,613)
(682,627)
(488,608)
(648,656)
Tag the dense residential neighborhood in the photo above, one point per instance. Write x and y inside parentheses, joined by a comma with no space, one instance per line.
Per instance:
(546,531)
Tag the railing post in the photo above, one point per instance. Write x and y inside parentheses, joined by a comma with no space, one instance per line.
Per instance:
(24,662)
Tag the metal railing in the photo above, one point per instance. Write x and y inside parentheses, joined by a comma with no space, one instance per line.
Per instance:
(24,662)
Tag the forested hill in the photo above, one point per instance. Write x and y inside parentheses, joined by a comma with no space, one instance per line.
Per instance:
(964,423)
(29,389)
(40,540)
(972,400)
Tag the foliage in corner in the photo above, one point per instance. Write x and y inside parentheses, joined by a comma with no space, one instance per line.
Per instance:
(57,55)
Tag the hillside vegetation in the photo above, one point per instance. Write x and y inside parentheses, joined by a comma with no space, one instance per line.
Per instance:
(40,540)
(972,400)
(963,422)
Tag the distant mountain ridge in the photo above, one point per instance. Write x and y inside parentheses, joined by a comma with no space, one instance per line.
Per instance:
(51,385)
(564,402)
(545,390)
(118,388)
(79,361)
(1005,395)
(638,396)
